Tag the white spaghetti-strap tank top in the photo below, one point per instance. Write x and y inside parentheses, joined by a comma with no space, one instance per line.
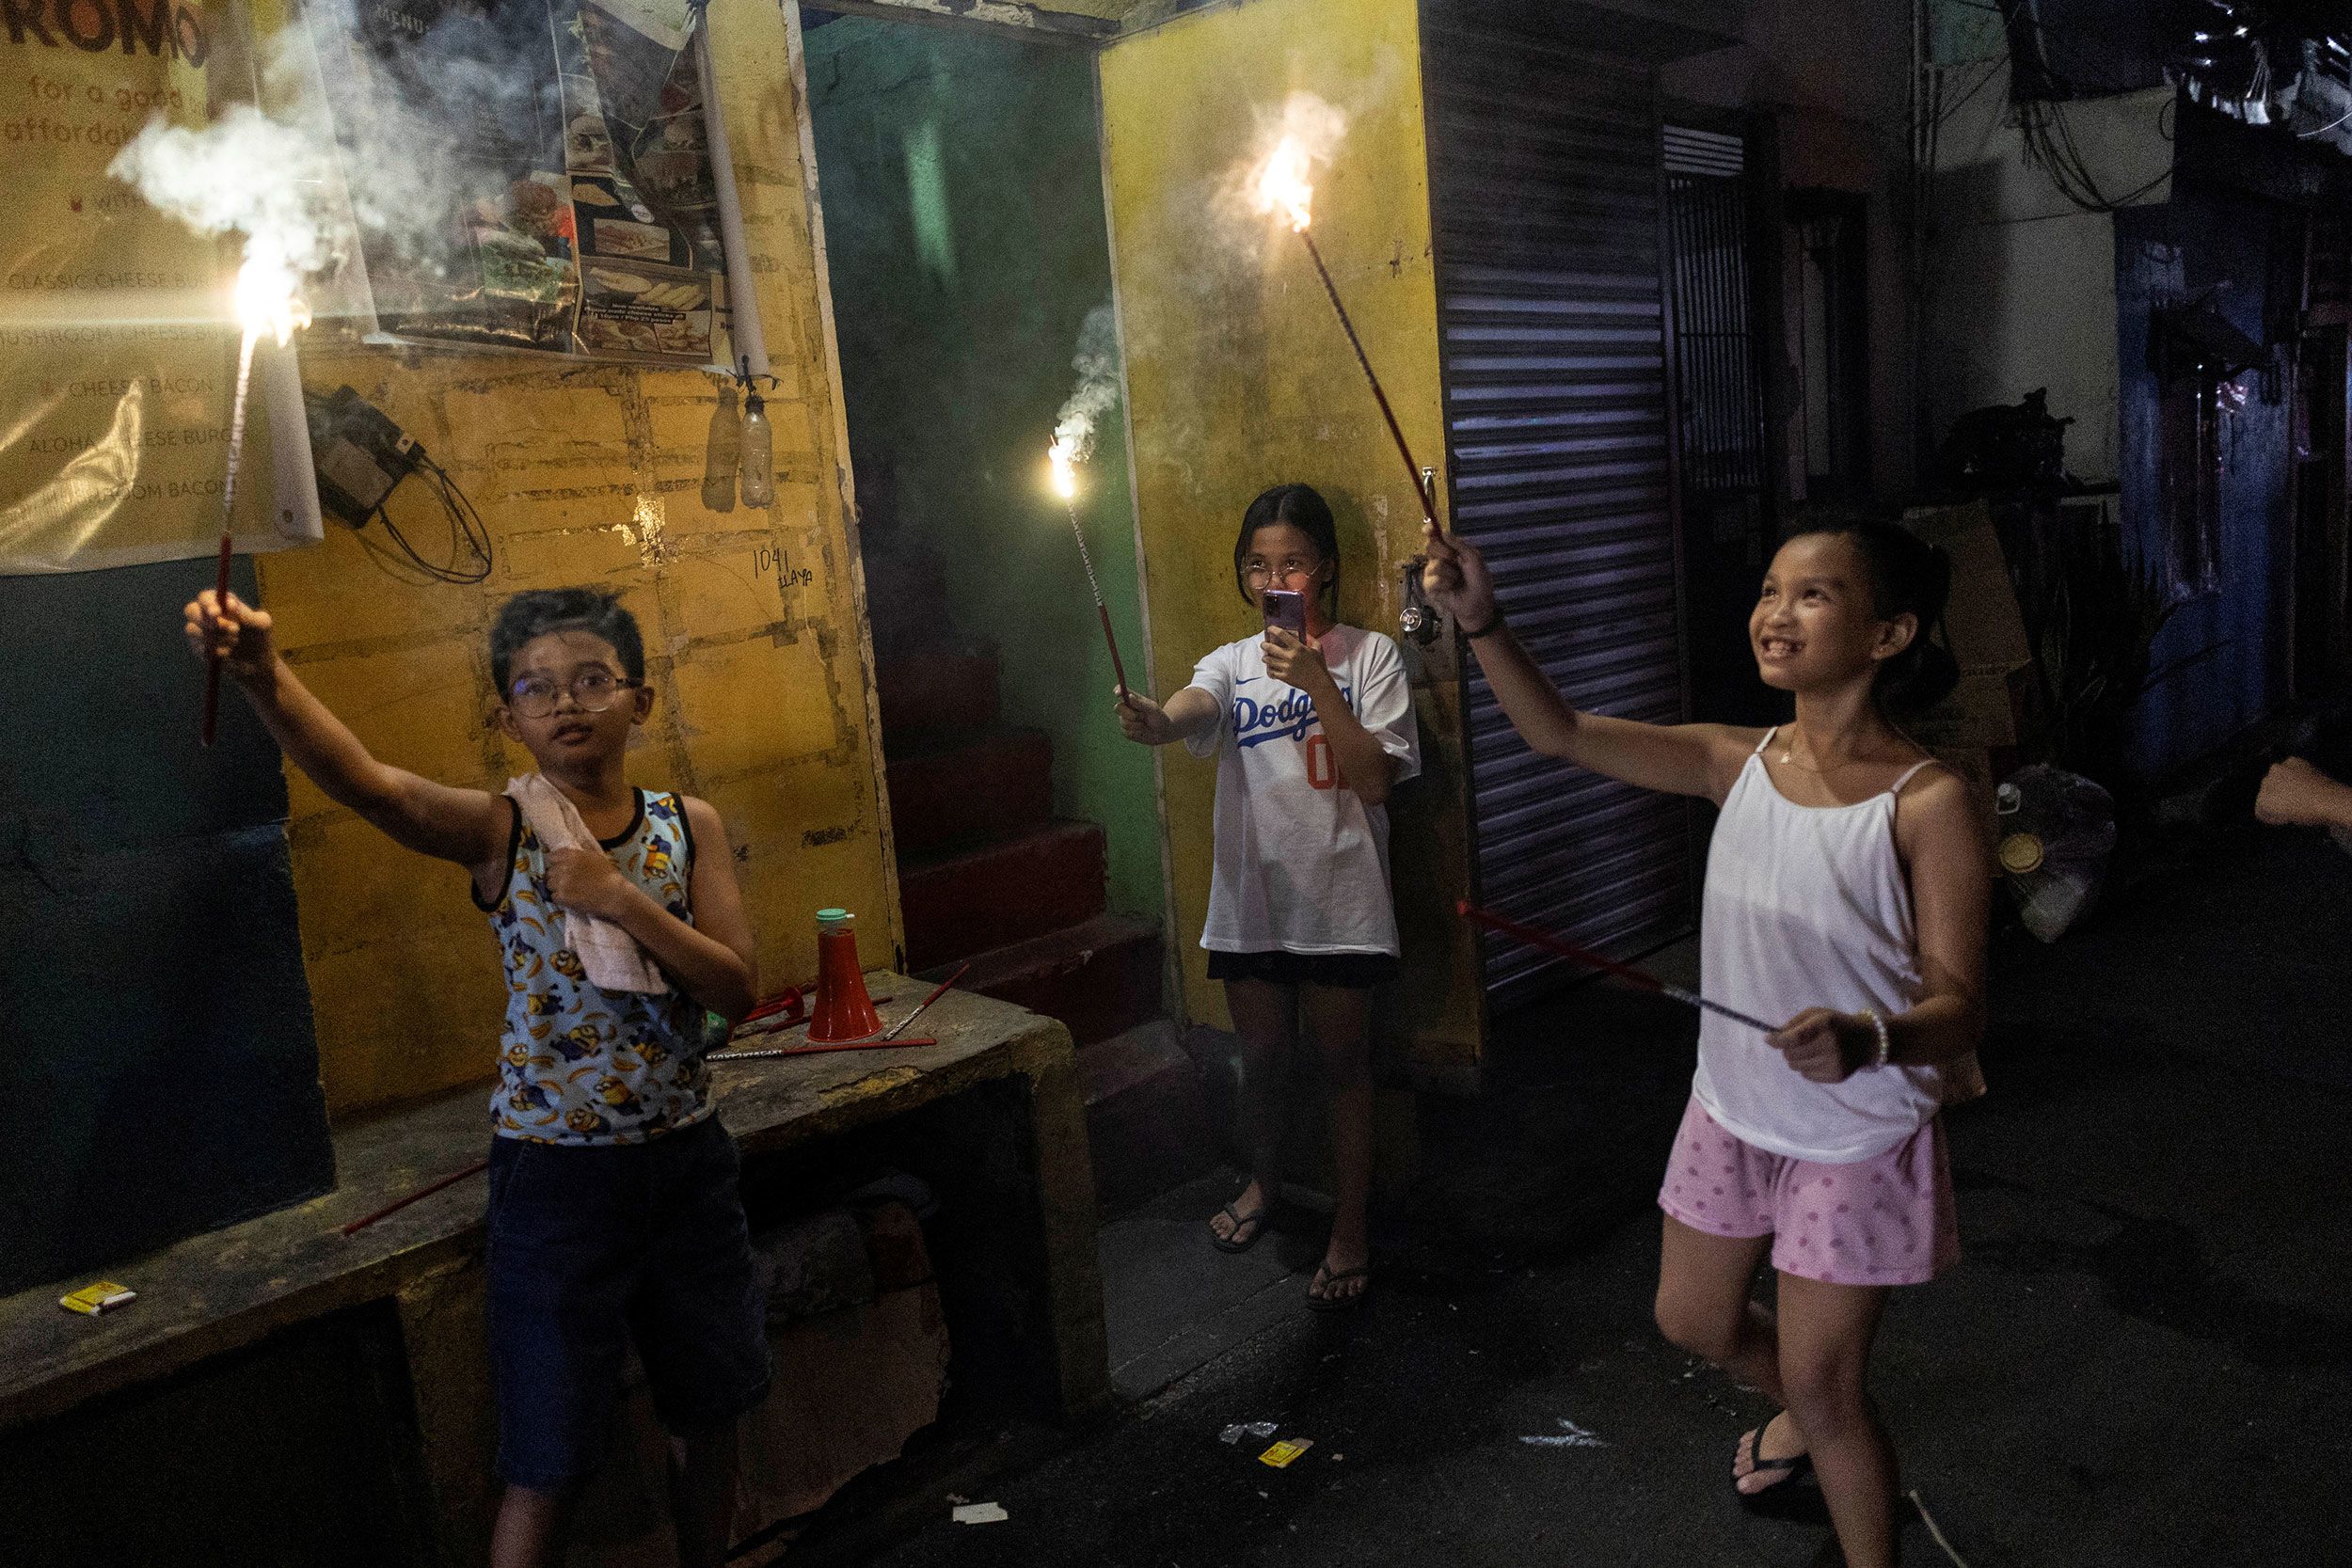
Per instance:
(1806,907)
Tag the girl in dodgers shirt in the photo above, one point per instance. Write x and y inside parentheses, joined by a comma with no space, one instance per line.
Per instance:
(1310,735)
(1848,893)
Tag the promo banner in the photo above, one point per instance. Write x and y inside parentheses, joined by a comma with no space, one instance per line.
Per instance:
(118,350)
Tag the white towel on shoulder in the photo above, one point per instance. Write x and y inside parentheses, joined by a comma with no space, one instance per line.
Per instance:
(612,957)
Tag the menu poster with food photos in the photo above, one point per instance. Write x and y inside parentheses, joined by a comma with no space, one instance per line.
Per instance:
(560,194)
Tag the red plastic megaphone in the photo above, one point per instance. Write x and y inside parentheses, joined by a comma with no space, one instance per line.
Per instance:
(843,1010)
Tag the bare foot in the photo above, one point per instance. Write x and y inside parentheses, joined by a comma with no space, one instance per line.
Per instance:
(1251,1207)
(1780,1441)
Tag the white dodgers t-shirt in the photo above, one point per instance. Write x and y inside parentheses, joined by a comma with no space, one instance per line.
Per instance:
(1302,863)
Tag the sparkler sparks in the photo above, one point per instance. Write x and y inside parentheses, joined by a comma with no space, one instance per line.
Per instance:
(1064,457)
(1282,186)
(269,300)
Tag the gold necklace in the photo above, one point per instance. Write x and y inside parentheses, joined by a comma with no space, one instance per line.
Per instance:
(1789,759)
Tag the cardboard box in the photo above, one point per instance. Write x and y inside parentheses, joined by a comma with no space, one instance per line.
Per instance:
(1983,629)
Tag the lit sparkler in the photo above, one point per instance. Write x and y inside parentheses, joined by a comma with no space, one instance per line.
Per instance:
(1064,454)
(269,299)
(1282,186)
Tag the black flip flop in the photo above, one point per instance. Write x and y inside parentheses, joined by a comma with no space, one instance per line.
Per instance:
(1339,1304)
(1257,1228)
(1796,1496)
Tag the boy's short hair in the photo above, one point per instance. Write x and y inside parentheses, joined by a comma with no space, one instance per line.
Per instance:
(544,610)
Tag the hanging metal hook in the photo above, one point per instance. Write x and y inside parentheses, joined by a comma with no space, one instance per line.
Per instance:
(1418,621)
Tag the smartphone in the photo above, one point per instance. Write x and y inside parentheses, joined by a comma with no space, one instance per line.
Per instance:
(1286,608)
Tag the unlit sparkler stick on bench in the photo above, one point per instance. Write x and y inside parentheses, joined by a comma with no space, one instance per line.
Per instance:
(426,1191)
(772,1053)
(1627,972)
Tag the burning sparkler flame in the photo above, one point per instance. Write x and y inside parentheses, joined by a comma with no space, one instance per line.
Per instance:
(1063,455)
(269,292)
(1282,185)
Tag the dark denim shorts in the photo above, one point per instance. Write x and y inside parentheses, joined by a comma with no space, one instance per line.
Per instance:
(593,1247)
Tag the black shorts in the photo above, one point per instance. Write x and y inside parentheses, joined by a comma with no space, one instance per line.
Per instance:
(593,1248)
(1341,971)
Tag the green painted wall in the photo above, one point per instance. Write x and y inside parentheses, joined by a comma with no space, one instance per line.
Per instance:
(961,183)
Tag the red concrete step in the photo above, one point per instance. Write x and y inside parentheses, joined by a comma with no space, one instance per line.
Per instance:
(998,784)
(1148,1127)
(986,897)
(1101,979)
(947,691)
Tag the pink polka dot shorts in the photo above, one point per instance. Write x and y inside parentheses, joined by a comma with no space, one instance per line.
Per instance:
(1887,1220)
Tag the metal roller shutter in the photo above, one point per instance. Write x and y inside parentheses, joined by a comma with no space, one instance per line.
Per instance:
(1544,196)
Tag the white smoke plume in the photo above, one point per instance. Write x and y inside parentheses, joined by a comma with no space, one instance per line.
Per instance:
(245,173)
(1097,394)
(304,180)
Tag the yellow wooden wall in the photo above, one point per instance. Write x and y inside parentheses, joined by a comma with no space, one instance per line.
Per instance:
(593,475)
(1239,377)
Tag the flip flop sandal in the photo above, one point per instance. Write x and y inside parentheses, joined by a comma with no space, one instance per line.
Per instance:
(1325,1279)
(1795,1495)
(1255,1222)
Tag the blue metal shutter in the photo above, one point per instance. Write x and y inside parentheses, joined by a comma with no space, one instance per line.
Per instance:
(1545,181)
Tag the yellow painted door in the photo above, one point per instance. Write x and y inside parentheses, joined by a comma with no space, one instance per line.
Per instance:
(1240,377)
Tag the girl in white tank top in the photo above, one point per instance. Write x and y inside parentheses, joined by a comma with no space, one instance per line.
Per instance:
(1807,906)
(1848,893)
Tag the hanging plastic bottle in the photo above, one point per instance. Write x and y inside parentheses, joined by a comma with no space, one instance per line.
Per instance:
(722,451)
(843,1010)
(759,451)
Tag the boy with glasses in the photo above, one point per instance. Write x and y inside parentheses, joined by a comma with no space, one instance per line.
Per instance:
(615,1213)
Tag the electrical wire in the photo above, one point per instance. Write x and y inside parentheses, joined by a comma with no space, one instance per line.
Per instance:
(1991,68)
(2062,160)
(469,556)
(2058,33)
(2306,135)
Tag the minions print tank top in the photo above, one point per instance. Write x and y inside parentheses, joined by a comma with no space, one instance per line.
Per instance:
(579,1064)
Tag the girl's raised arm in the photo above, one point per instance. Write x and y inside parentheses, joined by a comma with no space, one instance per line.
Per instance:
(1677,759)
(1186,713)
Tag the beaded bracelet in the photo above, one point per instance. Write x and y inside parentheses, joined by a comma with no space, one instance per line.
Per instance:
(1886,1040)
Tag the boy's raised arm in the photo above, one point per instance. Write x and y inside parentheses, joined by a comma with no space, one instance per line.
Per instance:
(467,826)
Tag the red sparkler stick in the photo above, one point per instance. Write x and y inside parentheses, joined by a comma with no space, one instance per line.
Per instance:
(1413,469)
(212,666)
(426,1191)
(942,988)
(1627,972)
(1117,669)
(1102,609)
(227,521)
(774,1052)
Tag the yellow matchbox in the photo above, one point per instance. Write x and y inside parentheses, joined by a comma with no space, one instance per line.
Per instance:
(1285,1450)
(93,1299)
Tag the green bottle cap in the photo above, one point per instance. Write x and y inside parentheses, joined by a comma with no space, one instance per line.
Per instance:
(832,917)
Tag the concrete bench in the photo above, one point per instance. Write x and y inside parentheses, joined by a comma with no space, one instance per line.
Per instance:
(990,1118)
